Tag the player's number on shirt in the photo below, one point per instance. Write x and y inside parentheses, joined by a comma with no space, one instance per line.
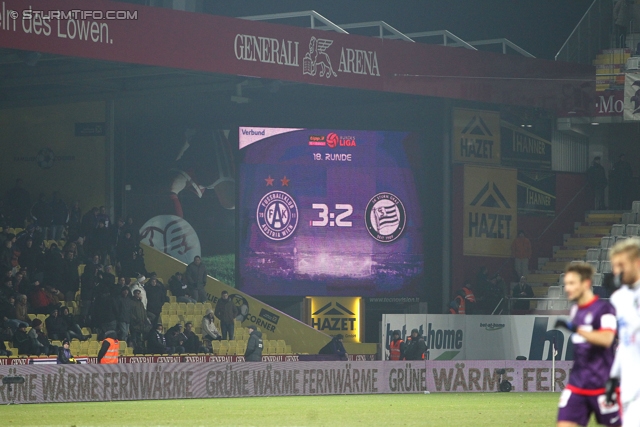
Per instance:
(327,218)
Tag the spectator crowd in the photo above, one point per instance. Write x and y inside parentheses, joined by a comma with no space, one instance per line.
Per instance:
(50,254)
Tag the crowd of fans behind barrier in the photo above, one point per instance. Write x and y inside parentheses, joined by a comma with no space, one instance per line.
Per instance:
(42,245)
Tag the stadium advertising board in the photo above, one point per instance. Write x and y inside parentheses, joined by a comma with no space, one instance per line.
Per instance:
(306,229)
(459,337)
(523,149)
(476,136)
(139,35)
(490,211)
(337,315)
(143,381)
(536,193)
(57,148)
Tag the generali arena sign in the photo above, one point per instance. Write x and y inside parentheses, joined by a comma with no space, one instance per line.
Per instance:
(99,383)
(114,31)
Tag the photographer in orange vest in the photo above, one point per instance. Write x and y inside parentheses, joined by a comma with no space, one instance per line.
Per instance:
(396,347)
(464,301)
(110,347)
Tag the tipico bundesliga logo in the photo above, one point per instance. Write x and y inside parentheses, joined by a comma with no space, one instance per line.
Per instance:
(277,215)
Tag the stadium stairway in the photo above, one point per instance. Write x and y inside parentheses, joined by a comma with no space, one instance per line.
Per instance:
(582,244)
(280,328)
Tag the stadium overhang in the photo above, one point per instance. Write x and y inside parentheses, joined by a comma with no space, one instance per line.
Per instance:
(160,44)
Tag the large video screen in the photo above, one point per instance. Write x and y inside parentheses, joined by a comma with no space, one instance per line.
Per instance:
(329,212)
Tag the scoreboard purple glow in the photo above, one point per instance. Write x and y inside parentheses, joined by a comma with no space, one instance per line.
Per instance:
(329,212)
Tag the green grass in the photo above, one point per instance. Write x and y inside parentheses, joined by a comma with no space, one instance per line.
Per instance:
(222,267)
(433,410)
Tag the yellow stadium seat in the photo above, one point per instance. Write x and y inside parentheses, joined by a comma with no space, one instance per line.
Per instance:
(191,308)
(287,349)
(279,350)
(280,343)
(182,307)
(172,299)
(207,306)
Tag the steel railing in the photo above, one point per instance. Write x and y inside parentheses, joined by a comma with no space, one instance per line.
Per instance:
(593,34)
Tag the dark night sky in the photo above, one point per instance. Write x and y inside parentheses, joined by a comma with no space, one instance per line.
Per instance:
(539,26)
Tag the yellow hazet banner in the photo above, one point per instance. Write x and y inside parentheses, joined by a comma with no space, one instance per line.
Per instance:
(490,210)
(476,136)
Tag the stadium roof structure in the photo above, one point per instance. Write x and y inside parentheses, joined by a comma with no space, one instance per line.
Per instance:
(385,31)
(164,50)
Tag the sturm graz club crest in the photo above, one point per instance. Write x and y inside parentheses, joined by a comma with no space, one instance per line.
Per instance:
(277,215)
(385,217)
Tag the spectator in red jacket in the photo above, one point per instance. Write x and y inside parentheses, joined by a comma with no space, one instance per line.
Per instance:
(40,300)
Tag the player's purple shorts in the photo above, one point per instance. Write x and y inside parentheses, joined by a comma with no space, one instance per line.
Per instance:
(578,408)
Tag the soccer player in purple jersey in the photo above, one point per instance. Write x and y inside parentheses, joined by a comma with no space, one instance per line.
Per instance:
(593,324)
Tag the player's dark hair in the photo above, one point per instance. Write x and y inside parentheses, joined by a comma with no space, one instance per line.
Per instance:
(582,269)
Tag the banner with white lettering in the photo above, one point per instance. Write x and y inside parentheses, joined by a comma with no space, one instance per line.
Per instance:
(631,97)
(102,383)
(476,136)
(490,211)
(523,149)
(459,337)
(536,193)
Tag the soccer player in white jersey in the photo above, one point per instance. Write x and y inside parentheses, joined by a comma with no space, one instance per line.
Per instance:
(625,263)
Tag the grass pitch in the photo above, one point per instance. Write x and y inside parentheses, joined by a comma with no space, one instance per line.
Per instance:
(433,410)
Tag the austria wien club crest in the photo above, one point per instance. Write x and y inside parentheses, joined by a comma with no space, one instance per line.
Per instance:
(385,217)
(277,215)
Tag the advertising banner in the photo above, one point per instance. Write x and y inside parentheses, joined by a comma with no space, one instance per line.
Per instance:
(132,33)
(76,383)
(117,382)
(536,193)
(208,358)
(56,148)
(631,97)
(307,228)
(337,315)
(523,149)
(490,211)
(476,136)
(459,337)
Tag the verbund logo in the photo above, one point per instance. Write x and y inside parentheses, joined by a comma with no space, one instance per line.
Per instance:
(332,140)
(252,132)
(317,140)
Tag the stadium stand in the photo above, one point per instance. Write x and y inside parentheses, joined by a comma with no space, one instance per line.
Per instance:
(590,242)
